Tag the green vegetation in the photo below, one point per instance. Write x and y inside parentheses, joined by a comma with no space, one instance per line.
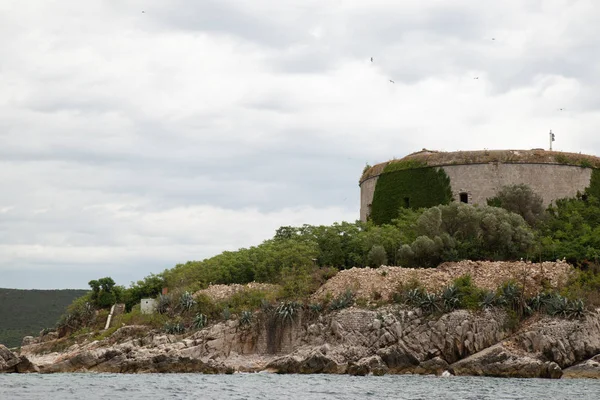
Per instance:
(300,259)
(460,231)
(401,186)
(27,312)
(520,199)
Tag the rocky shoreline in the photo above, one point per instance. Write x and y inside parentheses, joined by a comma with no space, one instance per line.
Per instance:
(389,340)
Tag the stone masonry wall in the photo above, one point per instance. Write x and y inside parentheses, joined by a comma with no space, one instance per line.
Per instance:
(482,181)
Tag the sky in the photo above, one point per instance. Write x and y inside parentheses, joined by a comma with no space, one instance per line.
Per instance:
(136,135)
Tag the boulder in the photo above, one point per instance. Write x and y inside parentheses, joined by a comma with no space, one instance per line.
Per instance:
(587,369)
(8,360)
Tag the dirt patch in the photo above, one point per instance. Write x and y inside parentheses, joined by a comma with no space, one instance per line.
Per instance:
(384,281)
(222,292)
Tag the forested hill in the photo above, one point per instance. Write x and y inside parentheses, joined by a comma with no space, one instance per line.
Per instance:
(27,312)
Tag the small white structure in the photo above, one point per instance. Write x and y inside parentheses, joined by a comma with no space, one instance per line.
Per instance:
(148,306)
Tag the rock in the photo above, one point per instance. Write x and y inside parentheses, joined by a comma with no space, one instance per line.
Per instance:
(314,362)
(27,340)
(587,369)
(434,366)
(368,365)
(8,360)
(499,361)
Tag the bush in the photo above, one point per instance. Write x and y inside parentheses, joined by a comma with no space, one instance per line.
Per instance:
(460,231)
(200,321)
(520,199)
(377,256)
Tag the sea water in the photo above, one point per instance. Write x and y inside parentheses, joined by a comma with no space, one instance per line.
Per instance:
(272,386)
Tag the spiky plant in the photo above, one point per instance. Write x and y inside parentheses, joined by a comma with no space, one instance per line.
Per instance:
(175,328)
(226,313)
(186,301)
(429,302)
(200,321)
(344,300)
(488,301)
(245,318)
(287,310)
(558,306)
(414,297)
(450,298)
(164,303)
(576,309)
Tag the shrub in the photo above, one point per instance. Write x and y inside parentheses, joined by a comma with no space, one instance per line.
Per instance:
(164,303)
(377,256)
(520,199)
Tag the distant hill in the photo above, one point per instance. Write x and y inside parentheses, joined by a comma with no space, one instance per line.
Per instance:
(27,312)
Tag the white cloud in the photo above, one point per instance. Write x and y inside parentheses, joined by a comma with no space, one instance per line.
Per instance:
(133,141)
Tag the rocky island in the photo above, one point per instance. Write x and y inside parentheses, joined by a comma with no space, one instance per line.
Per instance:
(370,335)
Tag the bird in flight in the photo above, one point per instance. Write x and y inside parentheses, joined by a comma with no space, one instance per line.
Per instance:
(561,109)
(392,81)
(493,38)
(143,12)
(371,59)
(476,77)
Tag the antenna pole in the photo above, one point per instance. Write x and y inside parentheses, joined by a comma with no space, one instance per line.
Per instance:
(551,139)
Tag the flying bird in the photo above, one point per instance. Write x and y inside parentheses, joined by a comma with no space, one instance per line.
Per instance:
(561,109)
(392,81)
(493,38)
(371,59)
(476,77)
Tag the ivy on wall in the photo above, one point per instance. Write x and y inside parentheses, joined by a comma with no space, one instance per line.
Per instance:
(402,186)
(594,188)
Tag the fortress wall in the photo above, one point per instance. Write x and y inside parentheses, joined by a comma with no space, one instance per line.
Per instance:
(551,181)
(367,190)
(482,181)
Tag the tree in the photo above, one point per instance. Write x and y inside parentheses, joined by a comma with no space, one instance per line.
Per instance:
(103,292)
(522,200)
(377,256)
(461,231)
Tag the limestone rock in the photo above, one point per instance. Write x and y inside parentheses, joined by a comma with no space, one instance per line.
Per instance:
(8,360)
(587,369)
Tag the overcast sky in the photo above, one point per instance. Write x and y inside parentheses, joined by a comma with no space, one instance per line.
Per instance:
(135,135)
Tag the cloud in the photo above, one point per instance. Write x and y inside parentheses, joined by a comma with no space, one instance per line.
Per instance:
(130,141)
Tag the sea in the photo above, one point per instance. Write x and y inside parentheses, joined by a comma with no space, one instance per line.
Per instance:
(273,386)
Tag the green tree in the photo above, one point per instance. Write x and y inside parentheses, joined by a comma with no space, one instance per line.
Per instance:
(522,200)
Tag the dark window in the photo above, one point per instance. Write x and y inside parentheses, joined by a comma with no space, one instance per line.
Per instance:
(464,197)
(406,202)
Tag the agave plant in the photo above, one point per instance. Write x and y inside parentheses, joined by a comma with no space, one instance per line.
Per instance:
(344,300)
(414,297)
(450,298)
(488,301)
(511,296)
(576,309)
(186,301)
(287,310)
(226,313)
(245,318)
(174,328)
(200,321)
(429,302)
(558,306)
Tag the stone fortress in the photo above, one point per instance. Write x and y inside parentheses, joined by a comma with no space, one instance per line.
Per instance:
(473,176)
